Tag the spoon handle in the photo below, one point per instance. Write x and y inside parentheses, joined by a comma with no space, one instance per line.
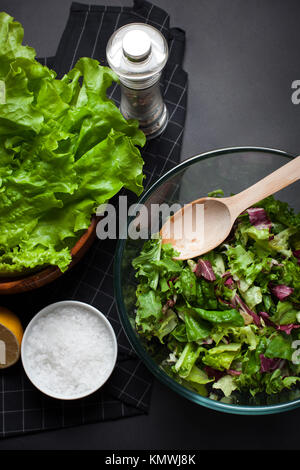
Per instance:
(272,183)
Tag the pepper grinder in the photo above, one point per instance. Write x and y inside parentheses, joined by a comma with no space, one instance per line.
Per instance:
(137,53)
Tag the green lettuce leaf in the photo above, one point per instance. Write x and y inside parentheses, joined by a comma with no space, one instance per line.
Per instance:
(179,333)
(275,382)
(196,329)
(230,316)
(187,359)
(285,314)
(168,323)
(280,347)
(198,376)
(149,309)
(253,296)
(220,357)
(155,264)
(186,285)
(226,384)
(144,264)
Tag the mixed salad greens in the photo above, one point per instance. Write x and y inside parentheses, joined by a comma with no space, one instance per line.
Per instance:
(65,149)
(229,320)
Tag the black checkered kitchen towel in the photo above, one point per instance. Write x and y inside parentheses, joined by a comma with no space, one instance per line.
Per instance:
(23,408)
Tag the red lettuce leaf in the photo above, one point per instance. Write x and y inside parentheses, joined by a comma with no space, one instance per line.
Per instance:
(233,372)
(265,317)
(287,328)
(229,282)
(281,291)
(259,218)
(268,365)
(213,373)
(205,270)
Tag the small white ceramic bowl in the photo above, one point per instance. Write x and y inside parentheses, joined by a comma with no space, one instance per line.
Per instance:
(30,374)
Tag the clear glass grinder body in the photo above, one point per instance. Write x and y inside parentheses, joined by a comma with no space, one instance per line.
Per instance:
(137,53)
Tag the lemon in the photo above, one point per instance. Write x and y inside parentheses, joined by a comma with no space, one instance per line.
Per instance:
(11,333)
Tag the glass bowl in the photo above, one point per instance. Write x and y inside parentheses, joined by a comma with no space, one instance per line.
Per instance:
(231,169)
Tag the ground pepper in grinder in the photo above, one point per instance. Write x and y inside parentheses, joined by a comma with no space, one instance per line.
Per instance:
(137,53)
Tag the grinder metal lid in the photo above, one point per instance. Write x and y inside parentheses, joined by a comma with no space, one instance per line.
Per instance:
(137,51)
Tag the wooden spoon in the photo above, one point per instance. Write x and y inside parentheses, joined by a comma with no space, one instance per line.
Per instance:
(192,236)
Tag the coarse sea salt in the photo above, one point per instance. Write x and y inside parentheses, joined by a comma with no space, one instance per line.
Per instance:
(69,351)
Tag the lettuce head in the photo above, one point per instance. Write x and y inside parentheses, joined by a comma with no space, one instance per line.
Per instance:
(65,149)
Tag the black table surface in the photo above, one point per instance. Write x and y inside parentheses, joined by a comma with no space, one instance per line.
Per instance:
(242,58)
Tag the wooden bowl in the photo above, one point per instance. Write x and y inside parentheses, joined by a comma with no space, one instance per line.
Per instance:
(44,276)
